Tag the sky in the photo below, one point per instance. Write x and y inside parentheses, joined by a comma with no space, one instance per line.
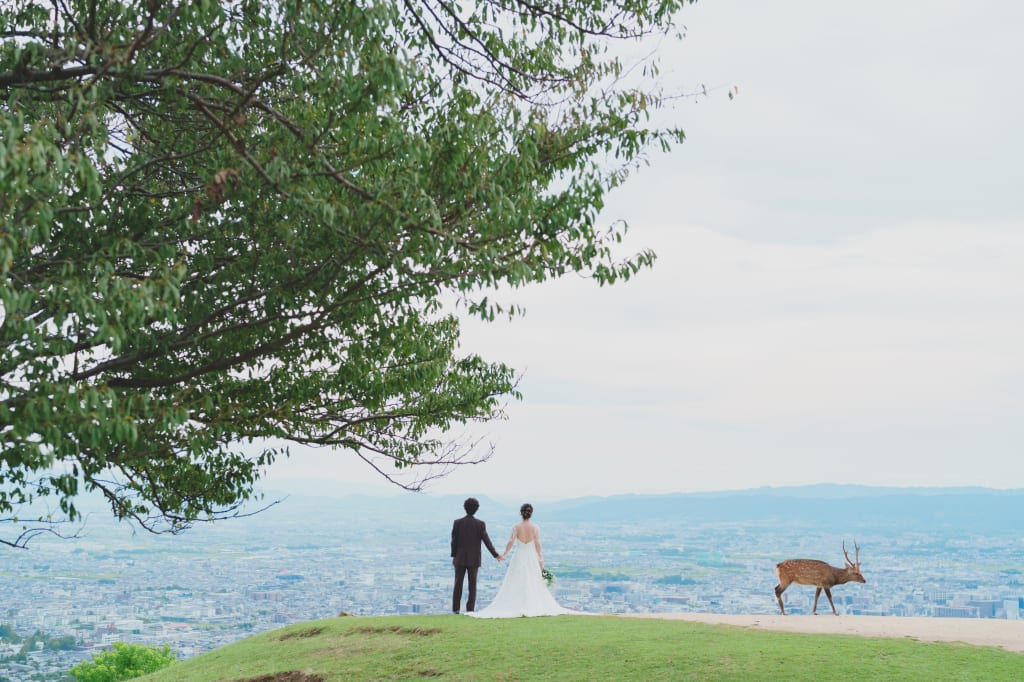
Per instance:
(839,290)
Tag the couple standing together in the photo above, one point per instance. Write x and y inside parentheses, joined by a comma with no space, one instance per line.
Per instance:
(522,592)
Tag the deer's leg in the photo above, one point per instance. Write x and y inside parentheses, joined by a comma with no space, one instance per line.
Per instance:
(828,593)
(817,593)
(779,589)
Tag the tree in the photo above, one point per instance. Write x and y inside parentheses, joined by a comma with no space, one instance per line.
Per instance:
(8,634)
(231,224)
(123,662)
(62,643)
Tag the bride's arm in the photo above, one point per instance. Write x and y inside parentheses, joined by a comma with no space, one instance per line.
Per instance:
(536,543)
(511,539)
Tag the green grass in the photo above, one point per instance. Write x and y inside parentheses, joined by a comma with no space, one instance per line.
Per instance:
(577,648)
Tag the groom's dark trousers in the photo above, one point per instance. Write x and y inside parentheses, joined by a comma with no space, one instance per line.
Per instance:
(467,534)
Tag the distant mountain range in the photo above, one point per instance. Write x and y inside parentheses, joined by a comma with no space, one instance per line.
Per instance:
(851,507)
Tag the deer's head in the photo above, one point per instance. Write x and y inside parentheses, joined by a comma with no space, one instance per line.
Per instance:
(853,567)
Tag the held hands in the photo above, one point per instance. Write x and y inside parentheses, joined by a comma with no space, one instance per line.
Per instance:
(500,557)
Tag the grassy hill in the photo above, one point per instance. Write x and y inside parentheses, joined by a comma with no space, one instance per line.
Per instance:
(577,648)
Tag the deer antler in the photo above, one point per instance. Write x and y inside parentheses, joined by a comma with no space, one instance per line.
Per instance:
(856,553)
(847,555)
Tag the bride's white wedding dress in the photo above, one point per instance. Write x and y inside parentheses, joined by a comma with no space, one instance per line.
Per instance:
(523,591)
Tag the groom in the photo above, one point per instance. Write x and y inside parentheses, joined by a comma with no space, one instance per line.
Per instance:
(467,534)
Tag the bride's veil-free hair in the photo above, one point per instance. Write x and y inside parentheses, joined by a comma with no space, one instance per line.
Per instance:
(526,511)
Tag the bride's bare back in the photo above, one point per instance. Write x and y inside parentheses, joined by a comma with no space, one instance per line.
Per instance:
(526,531)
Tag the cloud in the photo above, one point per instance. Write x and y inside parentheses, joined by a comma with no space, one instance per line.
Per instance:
(899,340)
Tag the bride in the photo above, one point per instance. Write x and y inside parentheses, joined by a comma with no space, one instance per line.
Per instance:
(523,592)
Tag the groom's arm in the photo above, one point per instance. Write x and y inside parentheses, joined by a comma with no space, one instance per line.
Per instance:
(455,528)
(487,540)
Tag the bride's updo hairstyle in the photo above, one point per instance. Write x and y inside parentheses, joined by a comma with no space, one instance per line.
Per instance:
(526,511)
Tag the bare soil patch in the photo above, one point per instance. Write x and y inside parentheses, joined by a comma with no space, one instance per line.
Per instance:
(289,676)
(311,632)
(394,629)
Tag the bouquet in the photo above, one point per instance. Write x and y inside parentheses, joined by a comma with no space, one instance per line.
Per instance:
(547,575)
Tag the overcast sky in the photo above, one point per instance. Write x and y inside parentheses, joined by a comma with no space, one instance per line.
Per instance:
(839,291)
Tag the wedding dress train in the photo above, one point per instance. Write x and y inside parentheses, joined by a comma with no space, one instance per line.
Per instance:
(523,591)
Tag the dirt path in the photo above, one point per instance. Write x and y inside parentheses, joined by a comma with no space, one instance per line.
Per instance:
(1008,634)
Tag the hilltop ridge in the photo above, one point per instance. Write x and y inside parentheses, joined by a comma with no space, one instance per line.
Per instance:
(602,648)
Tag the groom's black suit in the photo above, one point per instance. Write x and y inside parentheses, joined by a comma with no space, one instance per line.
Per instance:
(467,534)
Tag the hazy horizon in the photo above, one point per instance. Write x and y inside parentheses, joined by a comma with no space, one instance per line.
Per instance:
(334,489)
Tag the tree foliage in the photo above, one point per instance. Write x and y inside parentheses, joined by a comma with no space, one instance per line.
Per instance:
(123,662)
(8,634)
(234,223)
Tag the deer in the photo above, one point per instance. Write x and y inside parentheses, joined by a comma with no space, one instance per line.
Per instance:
(819,574)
